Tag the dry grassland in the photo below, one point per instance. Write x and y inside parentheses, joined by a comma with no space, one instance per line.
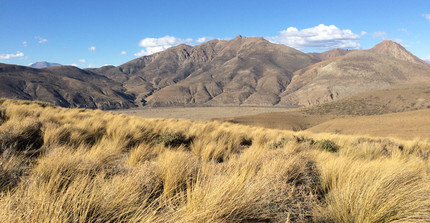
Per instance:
(75,165)
(405,125)
(400,111)
(197,113)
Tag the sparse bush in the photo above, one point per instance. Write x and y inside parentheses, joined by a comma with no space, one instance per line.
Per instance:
(303,139)
(278,144)
(173,140)
(327,145)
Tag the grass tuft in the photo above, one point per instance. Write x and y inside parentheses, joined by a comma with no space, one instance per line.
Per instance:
(77,165)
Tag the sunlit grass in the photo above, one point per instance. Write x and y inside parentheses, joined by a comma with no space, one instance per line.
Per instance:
(67,165)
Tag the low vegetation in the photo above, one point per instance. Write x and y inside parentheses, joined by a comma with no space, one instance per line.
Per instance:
(77,165)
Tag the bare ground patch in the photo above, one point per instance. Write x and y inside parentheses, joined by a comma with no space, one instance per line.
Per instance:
(198,113)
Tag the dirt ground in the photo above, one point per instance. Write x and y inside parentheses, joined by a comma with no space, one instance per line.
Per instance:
(198,113)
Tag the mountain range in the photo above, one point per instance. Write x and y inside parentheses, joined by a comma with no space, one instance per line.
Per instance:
(66,86)
(240,72)
(43,64)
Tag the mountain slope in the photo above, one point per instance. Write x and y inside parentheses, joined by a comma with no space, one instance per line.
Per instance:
(65,86)
(244,70)
(392,49)
(329,54)
(356,72)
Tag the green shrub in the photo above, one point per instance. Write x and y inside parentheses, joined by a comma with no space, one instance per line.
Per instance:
(173,140)
(278,144)
(327,145)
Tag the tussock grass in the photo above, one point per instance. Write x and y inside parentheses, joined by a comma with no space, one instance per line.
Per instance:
(76,165)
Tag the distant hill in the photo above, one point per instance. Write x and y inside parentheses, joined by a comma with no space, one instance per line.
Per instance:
(65,86)
(43,64)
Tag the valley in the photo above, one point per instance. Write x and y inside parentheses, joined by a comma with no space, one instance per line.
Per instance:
(197,113)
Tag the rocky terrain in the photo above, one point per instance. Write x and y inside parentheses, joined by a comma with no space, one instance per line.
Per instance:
(65,86)
(253,71)
(240,72)
(386,64)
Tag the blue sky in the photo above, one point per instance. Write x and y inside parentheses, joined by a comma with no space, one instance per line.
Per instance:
(94,33)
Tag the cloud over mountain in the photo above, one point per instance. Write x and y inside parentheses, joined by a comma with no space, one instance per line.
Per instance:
(321,37)
(154,45)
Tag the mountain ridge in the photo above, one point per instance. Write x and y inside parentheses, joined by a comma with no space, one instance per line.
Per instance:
(66,86)
(203,74)
(244,71)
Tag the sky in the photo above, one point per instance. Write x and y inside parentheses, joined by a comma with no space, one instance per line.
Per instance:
(94,33)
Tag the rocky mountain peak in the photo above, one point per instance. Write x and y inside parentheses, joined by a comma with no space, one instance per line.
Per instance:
(395,50)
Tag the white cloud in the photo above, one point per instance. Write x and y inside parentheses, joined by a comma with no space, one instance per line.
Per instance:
(73,64)
(154,45)
(380,34)
(203,39)
(40,39)
(10,56)
(82,61)
(321,37)
(427,59)
(427,16)
(363,33)
(123,52)
(24,43)
(92,48)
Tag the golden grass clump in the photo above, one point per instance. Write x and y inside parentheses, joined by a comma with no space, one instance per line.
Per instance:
(381,190)
(77,165)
